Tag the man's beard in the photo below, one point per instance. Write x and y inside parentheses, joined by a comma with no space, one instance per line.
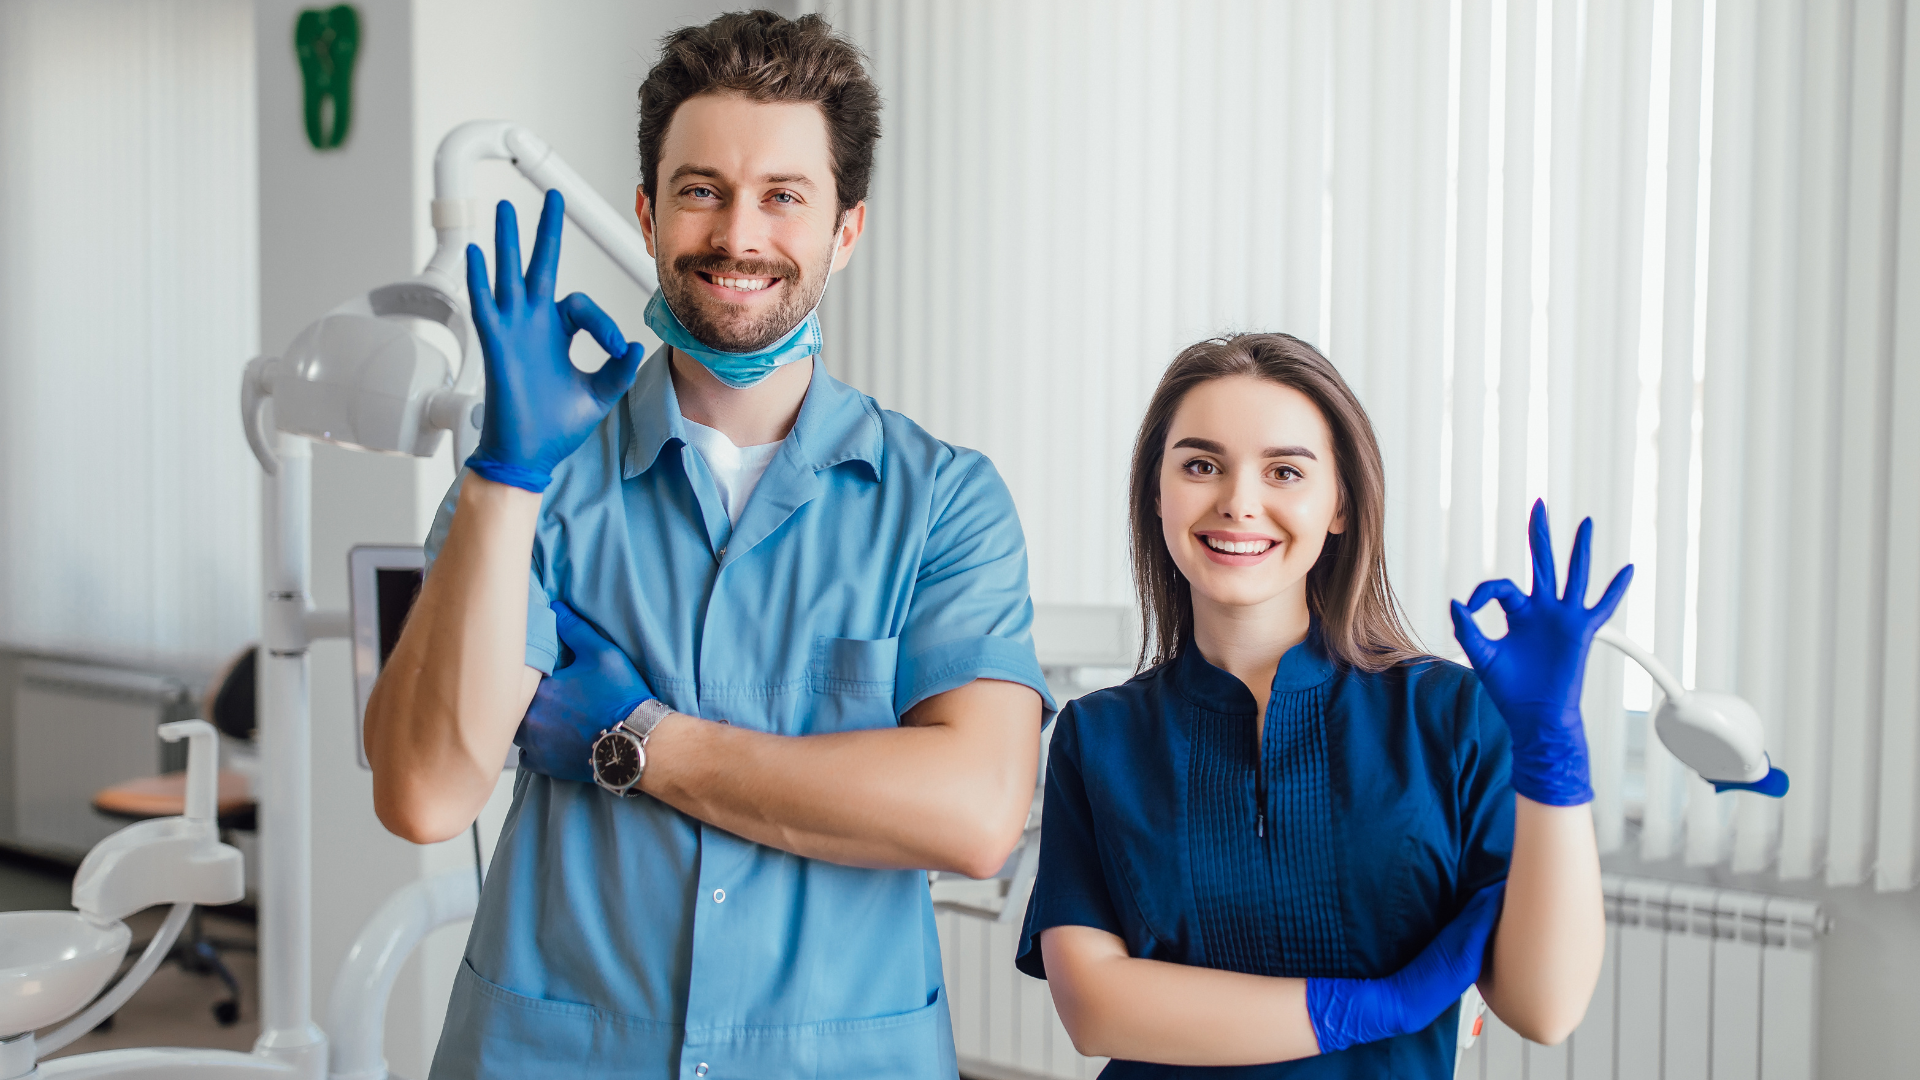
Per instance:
(719,325)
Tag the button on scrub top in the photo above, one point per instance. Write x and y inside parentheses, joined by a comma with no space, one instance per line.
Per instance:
(1339,845)
(874,566)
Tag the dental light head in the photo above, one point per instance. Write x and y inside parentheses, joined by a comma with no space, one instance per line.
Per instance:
(1718,736)
(395,369)
(373,375)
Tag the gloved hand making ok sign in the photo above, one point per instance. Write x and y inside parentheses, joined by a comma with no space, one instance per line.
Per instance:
(539,408)
(1533,673)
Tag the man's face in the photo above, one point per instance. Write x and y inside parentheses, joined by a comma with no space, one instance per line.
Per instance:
(747,221)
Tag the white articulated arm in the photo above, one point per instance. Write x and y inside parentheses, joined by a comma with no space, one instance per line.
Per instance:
(1716,735)
(362,377)
(458,219)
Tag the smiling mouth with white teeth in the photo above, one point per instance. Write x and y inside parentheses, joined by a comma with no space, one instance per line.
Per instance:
(743,284)
(1238,547)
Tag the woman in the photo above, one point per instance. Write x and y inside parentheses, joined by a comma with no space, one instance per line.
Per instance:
(1245,843)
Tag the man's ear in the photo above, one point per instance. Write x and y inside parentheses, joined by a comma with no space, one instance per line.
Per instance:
(644,212)
(847,233)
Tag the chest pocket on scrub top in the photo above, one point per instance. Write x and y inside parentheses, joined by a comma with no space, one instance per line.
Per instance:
(852,684)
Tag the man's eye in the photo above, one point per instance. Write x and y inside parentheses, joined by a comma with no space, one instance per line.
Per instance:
(702,192)
(784,197)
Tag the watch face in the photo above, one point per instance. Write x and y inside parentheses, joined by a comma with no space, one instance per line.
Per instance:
(616,759)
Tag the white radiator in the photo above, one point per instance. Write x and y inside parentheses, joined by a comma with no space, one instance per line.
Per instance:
(1004,1026)
(1698,984)
(76,729)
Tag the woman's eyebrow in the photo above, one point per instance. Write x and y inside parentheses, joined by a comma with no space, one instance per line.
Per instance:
(1211,447)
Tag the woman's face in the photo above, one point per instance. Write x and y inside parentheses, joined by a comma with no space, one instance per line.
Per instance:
(1248,491)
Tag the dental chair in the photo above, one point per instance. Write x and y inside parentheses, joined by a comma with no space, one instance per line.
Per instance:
(230,705)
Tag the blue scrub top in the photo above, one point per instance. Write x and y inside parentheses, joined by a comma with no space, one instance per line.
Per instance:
(1338,845)
(873,567)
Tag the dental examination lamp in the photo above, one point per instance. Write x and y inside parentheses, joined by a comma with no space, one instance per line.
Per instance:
(390,371)
(370,374)
(1718,736)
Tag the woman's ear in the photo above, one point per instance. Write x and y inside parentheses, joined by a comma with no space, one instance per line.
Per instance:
(1339,523)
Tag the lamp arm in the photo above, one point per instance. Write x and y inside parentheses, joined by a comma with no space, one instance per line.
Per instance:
(459,220)
(1669,685)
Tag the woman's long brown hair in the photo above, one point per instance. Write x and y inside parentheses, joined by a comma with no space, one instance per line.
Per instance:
(1361,623)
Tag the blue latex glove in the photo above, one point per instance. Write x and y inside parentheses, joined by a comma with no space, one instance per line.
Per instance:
(1346,1012)
(539,408)
(581,699)
(1533,674)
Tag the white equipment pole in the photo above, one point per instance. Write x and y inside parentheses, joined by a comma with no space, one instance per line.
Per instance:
(287,1031)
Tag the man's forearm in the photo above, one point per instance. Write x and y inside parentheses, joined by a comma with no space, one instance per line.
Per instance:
(442,716)
(1552,934)
(948,790)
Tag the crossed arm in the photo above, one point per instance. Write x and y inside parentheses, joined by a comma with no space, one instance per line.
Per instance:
(948,790)
(1541,969)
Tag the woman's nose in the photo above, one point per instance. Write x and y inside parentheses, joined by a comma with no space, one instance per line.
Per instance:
(1240,501)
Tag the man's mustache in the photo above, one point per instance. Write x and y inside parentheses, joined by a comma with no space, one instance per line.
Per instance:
(722,265)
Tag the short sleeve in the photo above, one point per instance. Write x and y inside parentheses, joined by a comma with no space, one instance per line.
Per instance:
(1070,888)
(1483,775)
(543,641)
(971,616)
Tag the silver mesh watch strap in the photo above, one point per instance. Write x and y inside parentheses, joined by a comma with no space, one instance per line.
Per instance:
(645,717)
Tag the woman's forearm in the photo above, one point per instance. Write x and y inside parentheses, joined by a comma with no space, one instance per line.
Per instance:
(1114,1005)
(1552,934)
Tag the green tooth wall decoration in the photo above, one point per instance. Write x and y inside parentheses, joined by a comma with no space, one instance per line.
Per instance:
(327,41)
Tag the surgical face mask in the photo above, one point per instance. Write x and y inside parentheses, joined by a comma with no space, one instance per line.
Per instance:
(738,370)
(741,369)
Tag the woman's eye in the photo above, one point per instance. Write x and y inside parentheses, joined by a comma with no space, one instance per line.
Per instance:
(1201,467)
(1286,473)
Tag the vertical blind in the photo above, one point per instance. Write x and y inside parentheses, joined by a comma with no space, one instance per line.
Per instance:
(128,307)
(1644,258)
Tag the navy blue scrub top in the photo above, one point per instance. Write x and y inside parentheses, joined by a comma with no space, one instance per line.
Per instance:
(1339,845)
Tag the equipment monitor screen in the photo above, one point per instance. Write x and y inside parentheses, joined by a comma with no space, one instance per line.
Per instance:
(383,580)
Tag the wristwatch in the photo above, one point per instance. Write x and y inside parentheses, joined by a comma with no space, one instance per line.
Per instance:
(620,752)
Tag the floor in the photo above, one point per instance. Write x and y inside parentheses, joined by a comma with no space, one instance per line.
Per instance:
(175,1007)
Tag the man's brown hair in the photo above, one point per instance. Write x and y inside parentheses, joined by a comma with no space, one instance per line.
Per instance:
(1361,623)
(767,57)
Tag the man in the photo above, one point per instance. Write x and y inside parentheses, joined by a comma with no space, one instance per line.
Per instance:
(829,604)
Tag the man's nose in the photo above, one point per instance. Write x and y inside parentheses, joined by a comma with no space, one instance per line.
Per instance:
(741,230)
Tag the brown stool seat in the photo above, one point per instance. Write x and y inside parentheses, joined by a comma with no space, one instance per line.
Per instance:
(166,796)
